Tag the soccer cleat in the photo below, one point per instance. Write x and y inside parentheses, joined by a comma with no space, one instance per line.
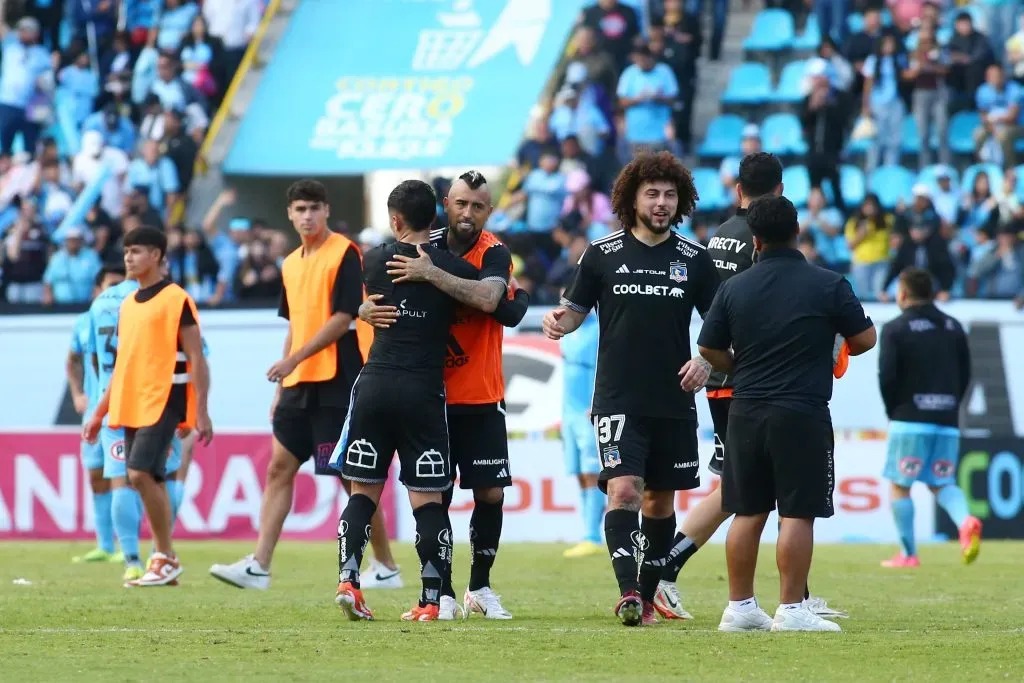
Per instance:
(840,357)
(821,608)
(583,549)
(96,555)
(379,576)
(970,539)
(650,615)
(132,572)
(449,609)
(739,621)
(486,602)
(801,619)
(246,573)
(350,600)
(901,561)
(161,571)
(630,609)
(668,603)
(424,613)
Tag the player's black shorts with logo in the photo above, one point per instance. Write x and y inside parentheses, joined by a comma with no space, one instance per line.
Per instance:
(719,408)
(662,451)
(479,446)
(778,455)
(387,414)
(308,426)
(146,448)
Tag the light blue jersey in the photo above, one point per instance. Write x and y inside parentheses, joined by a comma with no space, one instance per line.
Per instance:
(81,345)
(579,371)
(103,316)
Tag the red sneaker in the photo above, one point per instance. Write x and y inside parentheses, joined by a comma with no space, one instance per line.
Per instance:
(350,600)
(630,609)
(650,617)
(901,561)
(970,539)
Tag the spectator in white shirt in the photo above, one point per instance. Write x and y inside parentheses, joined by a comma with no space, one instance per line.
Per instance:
(235,23)
(946,199)
(89,165)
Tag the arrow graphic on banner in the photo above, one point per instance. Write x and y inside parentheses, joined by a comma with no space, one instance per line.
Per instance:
(522,23)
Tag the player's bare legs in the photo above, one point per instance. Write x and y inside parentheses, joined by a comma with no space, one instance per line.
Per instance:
(158,508)
(277,502)
(703,520)
(793,554)
(743,612)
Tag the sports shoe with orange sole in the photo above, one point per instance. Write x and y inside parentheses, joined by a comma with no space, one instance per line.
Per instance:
(424,613)
(970,539)
(350,600)
(630,609)
(162,570)
(840,357)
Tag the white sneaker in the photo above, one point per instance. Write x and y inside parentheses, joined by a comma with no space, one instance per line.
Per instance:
(821,608)
(738,621)
(668,602)
(246,573)
(801,619)
(486,602)
(449,608)
(379,576)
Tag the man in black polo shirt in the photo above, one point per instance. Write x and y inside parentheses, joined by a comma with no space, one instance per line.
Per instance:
(772,328)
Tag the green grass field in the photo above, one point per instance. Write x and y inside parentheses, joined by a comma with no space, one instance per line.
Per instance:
(943,622)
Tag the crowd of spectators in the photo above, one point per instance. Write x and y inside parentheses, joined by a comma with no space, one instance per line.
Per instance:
(103,108)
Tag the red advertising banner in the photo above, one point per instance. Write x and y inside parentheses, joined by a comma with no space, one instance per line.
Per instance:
(44,492)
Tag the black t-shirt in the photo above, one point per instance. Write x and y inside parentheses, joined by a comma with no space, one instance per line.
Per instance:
(732,250)
(346,297)
(645,298)
(31,264)
(178,398)
(418,341)
(781,319)
(616,29)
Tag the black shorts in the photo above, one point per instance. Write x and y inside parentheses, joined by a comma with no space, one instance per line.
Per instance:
(778,455)
(719,408)
(661,451)
(310,431)
(388,415)
(479,448)
(146,448)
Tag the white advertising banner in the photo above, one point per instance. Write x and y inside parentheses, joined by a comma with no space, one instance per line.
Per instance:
(543,503)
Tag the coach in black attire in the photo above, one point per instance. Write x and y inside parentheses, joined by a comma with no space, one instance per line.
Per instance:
(773,328)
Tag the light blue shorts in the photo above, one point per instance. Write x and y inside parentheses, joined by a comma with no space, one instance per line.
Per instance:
(579,447)
(111,444)
(922,452)
(92,455)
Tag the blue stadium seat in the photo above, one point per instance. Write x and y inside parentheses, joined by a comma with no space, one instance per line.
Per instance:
(810,39)
(929,174)
(772,31)
(796,185)
(995,177)
(851,179)
(790,89)
(749,84)
(942,37)
(891,184)
(782,134)
(911,136)
(723,136)
(709,187)
(855,21)
(961,131)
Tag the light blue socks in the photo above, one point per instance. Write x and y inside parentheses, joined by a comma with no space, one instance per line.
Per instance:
(903,514)
(593,514)
(101,504)
(127,515)
(954,502)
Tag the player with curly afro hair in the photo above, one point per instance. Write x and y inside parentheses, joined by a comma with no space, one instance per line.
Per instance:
(654,190)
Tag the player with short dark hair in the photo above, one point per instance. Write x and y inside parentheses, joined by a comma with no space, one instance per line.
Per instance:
(645,281)
(159,385)
(324,352)
(773,328)
(398,403)
(924,371)
(83,382)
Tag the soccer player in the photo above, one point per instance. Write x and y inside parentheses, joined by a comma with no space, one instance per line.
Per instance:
(645,281)
(82,377)
(924,371)
(732,250)
(579,444)
(323,353)
(474,380)
(773,328)
(159,385)
(398,403)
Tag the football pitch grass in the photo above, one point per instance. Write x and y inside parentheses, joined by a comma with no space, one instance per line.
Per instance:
(942,622)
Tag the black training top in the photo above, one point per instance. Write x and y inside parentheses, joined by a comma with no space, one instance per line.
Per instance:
(781,319)
(645,298)
(924,367)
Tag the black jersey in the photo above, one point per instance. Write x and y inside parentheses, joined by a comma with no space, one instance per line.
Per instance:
(924,367)
(418,341)
(645,298)
(732,250)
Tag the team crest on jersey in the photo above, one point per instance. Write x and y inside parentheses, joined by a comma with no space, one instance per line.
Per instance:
(117,451)
(677,272)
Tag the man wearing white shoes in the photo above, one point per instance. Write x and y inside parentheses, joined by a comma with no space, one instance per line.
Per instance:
(772,329)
